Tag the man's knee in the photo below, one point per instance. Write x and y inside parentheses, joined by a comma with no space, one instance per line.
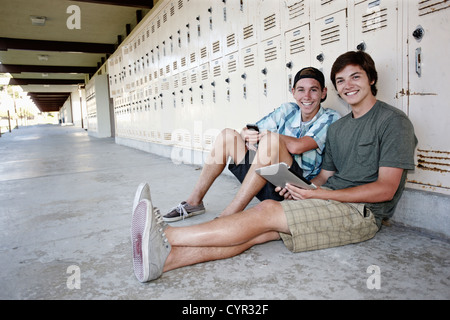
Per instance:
(269,208)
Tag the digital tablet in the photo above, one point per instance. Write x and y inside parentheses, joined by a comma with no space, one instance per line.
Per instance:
(279,174)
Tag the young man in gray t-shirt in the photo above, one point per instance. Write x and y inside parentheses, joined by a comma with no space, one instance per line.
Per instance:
(363,175)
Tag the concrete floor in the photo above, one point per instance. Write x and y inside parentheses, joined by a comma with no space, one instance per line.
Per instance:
(65,216)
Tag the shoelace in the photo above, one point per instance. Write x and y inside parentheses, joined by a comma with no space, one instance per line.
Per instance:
(161,223)
(181,209)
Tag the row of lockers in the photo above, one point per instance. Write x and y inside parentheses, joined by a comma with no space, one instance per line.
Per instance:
(193,67)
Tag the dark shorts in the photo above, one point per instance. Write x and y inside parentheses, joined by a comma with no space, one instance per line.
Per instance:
(268,191)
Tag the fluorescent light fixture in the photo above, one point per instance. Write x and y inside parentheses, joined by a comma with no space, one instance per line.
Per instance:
(38,20)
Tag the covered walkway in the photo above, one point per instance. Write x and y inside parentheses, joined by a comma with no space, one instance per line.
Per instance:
(65,213)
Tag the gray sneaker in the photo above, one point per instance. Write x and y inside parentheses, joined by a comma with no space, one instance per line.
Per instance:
(142,192)
(184,210)
(150,245)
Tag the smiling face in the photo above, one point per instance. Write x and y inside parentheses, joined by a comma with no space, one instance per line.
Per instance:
(354,86)
(308,94)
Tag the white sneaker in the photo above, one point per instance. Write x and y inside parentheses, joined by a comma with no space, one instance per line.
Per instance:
(149,243)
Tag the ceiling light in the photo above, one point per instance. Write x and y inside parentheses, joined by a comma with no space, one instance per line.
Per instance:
(37,21)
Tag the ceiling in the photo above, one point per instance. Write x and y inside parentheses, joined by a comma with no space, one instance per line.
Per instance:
(50,61)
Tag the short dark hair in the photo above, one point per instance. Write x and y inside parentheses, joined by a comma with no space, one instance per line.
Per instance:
(358,58)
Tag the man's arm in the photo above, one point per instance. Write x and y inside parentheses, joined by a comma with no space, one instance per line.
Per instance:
(299,145)
(379,191)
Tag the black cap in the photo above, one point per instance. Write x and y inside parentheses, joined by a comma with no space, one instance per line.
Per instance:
(312,73)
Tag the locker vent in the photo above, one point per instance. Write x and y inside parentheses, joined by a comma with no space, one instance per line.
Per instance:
(296,10)
(216,46)
(193,58)
(216,71)
(197,138)
(175,65)
(205,75)
(193,78)
(249,60)
(430,6)
(165,86)
(164,17)
(183,62)
(183,81)
(269,22)
(231,66)
(297,45)
(248,31)
(374,21)
(180,4)
(203,52)
(168,69)
(167,136)
(270,54)
(329,35)
(175,84)
(437,161)
(231,40)
(172,10)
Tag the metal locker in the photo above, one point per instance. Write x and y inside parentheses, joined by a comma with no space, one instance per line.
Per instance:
(295,13)
(298,55)
(250,91)
(323,8)
(201,31)
(269,19)
(376,32)
(234,99)
(232,16)
(272,68)
(329,40)
(428,93)
(248,30)
(218,91)
(217,25)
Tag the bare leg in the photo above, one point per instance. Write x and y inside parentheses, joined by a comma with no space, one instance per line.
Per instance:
(225,237)
(228,144)
(271,150)
(186,256)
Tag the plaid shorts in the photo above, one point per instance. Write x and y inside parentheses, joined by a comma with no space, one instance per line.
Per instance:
(319,224)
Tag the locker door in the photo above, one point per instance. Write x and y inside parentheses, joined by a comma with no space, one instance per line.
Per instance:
(272,84)
(269,19)
(234,98)
(329,39)
(217,90)
(250,84)
(232,19)
(296,13)
(376,32)
(298,55)
(248,32)
(428,93)
(217,25)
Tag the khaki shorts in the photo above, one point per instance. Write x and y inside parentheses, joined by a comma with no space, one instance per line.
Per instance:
(319,224)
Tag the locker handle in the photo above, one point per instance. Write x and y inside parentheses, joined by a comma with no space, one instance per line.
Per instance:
(419,62)
(320,57)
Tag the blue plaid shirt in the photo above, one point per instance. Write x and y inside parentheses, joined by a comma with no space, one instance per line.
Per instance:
(287,120)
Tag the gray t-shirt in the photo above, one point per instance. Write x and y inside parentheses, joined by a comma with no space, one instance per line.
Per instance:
(357,148)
